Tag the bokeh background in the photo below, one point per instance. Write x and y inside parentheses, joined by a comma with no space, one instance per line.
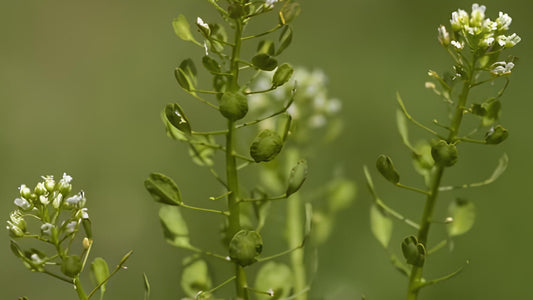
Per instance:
(82,85)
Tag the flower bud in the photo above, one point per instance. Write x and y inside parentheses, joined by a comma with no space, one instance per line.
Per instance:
(233,106)
(496,135)
(444,36)
(444,154)
(71,265)
(49,183)
(64,184)
(40,189)
(266,146)
(25,191)
(245,246)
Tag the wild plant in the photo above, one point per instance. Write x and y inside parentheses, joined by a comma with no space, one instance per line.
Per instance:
(475,44)
(45,230)
(239,86)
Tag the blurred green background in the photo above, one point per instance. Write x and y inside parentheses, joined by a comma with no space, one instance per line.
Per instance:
(82,84)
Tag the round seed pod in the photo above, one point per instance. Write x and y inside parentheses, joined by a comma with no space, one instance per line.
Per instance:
(444,154)
(245,246)
(233,106)
(71,265)
(266,146)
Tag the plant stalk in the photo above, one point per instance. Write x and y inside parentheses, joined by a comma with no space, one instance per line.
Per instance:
(416,277)
(231,168)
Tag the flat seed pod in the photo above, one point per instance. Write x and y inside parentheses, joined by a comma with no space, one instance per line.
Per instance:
(444,154)
(386,168)
(177,118)
(71,265)
(297,177)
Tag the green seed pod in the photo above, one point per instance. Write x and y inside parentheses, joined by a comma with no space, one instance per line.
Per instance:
(245,246)
(71,265)
(496,135)
(236,10)
(297,177)
(266,146)
(413,251)
(386,168)
(444,154)
(177,118)
(233,106)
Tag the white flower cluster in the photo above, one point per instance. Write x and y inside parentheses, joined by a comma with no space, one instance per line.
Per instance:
(46,193)
(477,31)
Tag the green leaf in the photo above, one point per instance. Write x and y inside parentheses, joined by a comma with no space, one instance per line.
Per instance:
(276,277)
(282,75)
(267,47)
(200,151)
(177,118)
(182,28)
(493,109)
(174,226)
(266,146)
(233,106)
(297,177)
(264,62)
(195,277)
(341,193)
(186,75)
(289,11)
(245,246)
(386,168)
(100,271)
(401,123)
(285,39)
(210,64)
(381,225)
(463,213)
(413,251)
(163,189)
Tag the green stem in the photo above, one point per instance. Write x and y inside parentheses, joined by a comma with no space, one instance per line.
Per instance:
(232,179)
(416,279)
(295,238)
(79,288)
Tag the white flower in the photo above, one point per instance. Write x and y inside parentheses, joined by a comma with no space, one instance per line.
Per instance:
(317,121)
(487,41)
(503,21)
(22,203)
(458,45)
(489,26)
(444,36)
(459,19)
(44,199)
(508,41)
(334,106)
(76,201)
(71,227)
(36,259)
(478,14)
(66,178)
(270,3)
(58,199)
(201,23)
(46,229)
(83,213)
(501,68)
(40,189)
